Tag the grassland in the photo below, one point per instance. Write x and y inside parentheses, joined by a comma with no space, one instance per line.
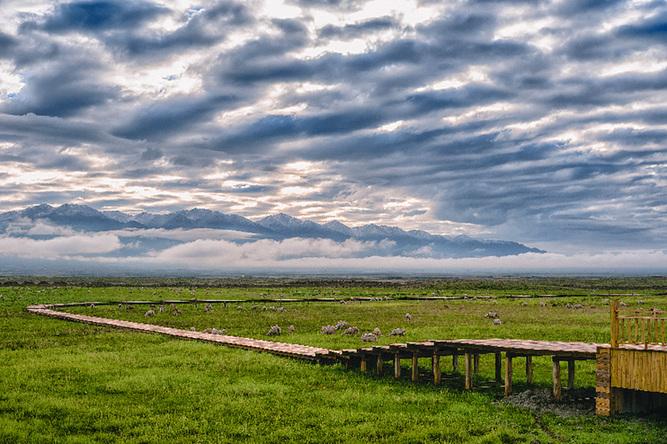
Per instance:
(66,382)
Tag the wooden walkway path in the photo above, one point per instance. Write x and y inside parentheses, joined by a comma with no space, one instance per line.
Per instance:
(277,348)
(470,350)
(363,358)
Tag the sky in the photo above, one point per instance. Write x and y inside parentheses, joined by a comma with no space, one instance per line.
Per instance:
(542,122)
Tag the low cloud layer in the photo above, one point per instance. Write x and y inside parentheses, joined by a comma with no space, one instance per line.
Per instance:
(60,247)
(87,253)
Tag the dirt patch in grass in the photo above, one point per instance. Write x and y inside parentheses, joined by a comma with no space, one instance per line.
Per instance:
(574,403)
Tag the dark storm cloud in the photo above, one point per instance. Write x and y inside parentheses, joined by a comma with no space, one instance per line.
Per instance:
(122,25)
(653,28)
(533,120)
(164,118)
(355,30)
(331,4)
(7,43)
(201,28)
(281,127)
(457,98)
(59,90)
(52,130)
(94,16)
(576,7)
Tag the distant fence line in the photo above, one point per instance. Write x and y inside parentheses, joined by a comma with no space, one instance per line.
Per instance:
(331,300)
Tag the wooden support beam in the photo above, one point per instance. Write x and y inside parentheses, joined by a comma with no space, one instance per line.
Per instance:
(397,365)
(570,374)
(556,378)
(613,307)
(379,365)
(467,361)
(436,368)
(415,367)
(476,363)
(455,362)
(529,369)
(508,374)
(499,369)
(363,364)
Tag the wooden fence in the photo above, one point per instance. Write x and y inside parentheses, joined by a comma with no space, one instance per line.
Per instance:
(642,327)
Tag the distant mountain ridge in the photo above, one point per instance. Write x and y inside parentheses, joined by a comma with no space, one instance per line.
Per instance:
(279,226)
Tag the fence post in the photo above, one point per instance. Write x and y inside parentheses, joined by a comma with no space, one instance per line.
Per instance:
(614,323)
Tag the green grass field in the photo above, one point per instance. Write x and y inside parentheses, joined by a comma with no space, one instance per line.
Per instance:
(69,382)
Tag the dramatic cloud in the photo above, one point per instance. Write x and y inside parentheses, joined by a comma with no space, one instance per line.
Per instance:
(542,122)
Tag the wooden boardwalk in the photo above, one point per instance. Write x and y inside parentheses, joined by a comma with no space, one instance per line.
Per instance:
(277,348)
(638,363)
(470,350)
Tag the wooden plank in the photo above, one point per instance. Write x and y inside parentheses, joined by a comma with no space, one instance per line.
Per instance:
(570,374)
(635,369)
(529,369)
(476,363)
(467,361)
(508,374)
(397,365)
(556,379)
(437,374)
(363,364)
(455,362)
(379,365)
(578,350)
(277,348)
(614,322)
(415,367)
(498,367)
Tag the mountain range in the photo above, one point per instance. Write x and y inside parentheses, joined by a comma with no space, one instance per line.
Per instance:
(281,226)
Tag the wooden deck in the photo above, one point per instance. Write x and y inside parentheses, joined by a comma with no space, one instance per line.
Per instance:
(470,350)
(277,348)
(631,373)
(375,357)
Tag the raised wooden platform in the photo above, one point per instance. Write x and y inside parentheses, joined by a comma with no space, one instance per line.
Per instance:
(522,347)
(278,348)
(470,350)
(648,372)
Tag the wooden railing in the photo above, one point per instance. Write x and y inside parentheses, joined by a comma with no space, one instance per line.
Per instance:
(641,328)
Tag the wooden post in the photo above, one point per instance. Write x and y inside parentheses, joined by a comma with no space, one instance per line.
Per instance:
(362,364)
(467,361)
(614,323)
(397,365)
(499,365)
(436,367)
(508,374)
(529,369)
(603,392)
(570,374)
(415,367)
(379,364)
(476,363)
(455,362)
(556,378)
